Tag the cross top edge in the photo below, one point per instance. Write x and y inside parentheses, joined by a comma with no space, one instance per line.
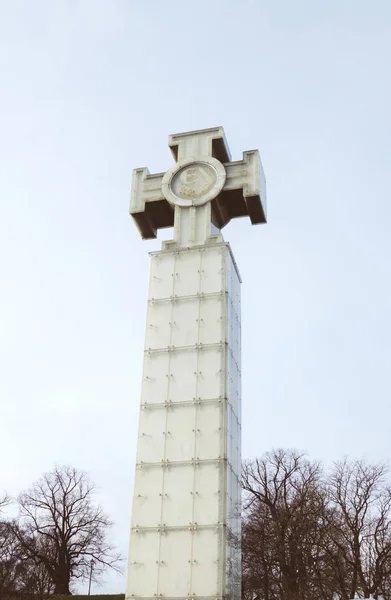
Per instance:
(214,143)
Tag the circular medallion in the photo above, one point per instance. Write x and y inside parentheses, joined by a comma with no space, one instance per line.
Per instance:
(193,181)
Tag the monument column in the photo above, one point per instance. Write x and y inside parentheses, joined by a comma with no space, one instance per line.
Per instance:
(185,530)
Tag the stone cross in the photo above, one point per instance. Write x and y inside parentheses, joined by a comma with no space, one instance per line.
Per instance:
(201,192)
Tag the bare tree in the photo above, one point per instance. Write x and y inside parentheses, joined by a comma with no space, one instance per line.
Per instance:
(33,578)
(60,528)
(311,536)
(360,526)
(4,501)
(260,566)
(8,552)
(282,523)
(19,572)
(8,559)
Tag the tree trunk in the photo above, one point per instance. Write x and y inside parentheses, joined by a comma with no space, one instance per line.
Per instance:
(61,588)
(61,582)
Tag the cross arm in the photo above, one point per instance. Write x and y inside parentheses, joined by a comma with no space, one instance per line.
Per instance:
(148,207)
(244,191)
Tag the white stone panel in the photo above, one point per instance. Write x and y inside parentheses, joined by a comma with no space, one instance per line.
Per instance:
(155,378)
(180,439)
(185,322)
(208,486)
(213,276)
(143,569)
(207,554)
(211,320)
(183,376)
(174,573)
(209,431)
(187,273)
(158,331)
(177,509)
(210,373)
(161,275)
(151,441)
(146,510)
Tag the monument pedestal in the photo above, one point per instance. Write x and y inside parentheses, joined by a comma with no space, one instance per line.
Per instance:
(185,532)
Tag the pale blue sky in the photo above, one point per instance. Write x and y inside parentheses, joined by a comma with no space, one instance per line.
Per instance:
(90,89)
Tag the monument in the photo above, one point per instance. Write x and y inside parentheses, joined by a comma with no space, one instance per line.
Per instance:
(185,529)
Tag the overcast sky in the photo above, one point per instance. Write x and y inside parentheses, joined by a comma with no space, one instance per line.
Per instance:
(90,89)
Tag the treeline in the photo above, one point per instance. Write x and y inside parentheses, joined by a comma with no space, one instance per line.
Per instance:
(311,535)
(59,537)
(307,534)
